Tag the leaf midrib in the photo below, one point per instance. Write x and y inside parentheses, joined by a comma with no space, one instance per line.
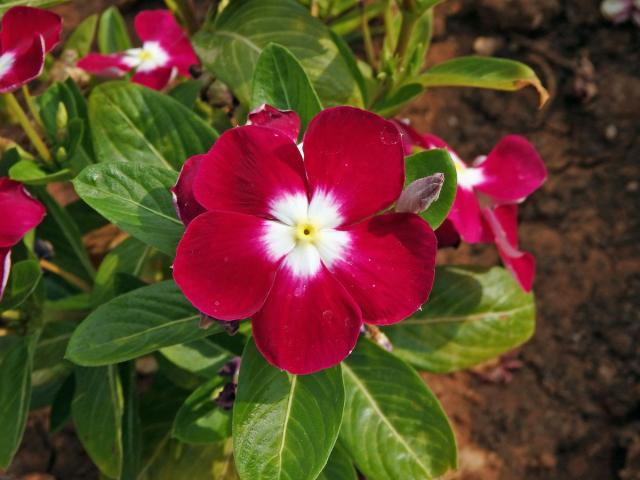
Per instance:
(294,383)
(464,318)
(384,418)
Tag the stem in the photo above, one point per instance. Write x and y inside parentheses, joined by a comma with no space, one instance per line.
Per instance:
(314,9)
(37,142)
(68,276)
(366,36)
(31,105)
(409,19)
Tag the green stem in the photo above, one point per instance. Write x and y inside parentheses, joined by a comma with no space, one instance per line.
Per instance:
(14,107)
(31,105)
(409,19)
(366,36)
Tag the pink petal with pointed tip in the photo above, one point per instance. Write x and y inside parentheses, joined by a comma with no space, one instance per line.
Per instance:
(156,79)
(222,267)
(465,216)
(106,65)
(358,157)
(21,24)
(185,201)
(511,171)
(248,169)
(19,211)
(5,268)
(389,267)
(285,121)
(447,234)
(307,324)
(27,64)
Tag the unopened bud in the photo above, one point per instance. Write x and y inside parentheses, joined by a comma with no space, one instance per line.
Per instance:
(420,194)
(62,117)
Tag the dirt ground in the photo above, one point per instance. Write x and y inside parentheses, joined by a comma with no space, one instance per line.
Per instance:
(572,409)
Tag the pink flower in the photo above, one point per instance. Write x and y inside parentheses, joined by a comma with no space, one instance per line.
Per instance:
(485,207)
(165,53)
(619,11)
(295,244)
(19,212)
(27,34)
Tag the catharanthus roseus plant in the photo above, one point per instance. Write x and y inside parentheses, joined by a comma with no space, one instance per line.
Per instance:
(236,273)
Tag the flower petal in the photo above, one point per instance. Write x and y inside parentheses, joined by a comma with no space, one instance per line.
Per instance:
(248,169)
(307,323)
(410,137)
(185,201)
(503,222)
(389,267)
(222,266)
(285,121)
(26,64)
(512,171)
(21,24)
(447,234)
(19,211)
(357,157)
(5,268)
(106,65)
(466,217)
(156,79)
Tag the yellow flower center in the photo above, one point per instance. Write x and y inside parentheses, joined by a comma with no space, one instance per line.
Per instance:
(145,55)
(306,232)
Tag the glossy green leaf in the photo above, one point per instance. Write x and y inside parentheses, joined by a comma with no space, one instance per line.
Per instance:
(136,198)
(23,279)
(61,406)
(393,103)
(339,466)
(131,123)
(426,4)
(16,355)
(200,419)
(484,72)
(52,344)
(352,64)
(112,32)
(26,171)
(393,426)
(284,426)
(202,357)
(97,409)
(131,424)
(82,37)
(473,315)
(279,80)
(230,46)
(423,164)
(135,324)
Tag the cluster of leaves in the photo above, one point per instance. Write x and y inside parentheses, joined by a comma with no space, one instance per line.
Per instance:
(75,342)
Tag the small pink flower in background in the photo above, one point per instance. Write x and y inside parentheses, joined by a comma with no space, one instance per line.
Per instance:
(26,35)
(166,52)
(485,207)
(619,11)
(296,245)
(19,213)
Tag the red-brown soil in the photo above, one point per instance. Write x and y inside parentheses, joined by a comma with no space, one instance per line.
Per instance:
(572,411)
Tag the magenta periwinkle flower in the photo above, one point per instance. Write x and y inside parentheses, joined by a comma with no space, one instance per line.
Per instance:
(19,213)
(26,35)
(165,52)
(299,237)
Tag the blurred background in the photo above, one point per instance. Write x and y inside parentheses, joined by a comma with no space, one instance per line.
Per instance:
(567,404)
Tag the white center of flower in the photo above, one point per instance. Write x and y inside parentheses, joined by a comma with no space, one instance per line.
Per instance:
(6,62)
(150,57)
(467,176)
(305,232)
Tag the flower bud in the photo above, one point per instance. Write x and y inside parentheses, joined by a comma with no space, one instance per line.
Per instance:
(420,194)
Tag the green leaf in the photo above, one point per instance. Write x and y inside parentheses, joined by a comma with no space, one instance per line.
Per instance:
(230,46)
(26,171)
(131,424)
(279,80)
(473,315)
(81,39)
(187,92)
(202,357)
(393,426)
(52,344)
(339,466)
(484,72)
(23,280)
(16,356)
(423,5)
(200,419)
(112,32)
(135,324)
(392,104)
(284,426)
(136,198)
(61,407)
(97,409)
(131,123)
(423,164)
(352,64)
